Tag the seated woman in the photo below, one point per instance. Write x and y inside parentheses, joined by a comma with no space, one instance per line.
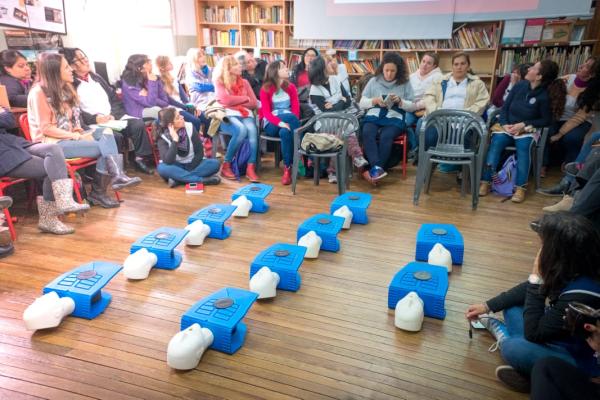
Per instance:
(23,159)
(300,78)
(420,80)
(532,104)
(142,89)
(327,94)
(280,112)
(198,79)
(54,117)
(237,96)
(565,270)
(338,70)
(458,90)
(181,152)
(386,99)
(569,131)
(15,74)
(99,104)
(588,102)
(506,84)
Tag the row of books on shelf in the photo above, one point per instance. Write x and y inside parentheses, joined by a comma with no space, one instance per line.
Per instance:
(317,43)
(264,15)
(224,14)
(217,37)
(417,44)
(263,38)
(476,37)
(568,59)
(213,59)
(357,44)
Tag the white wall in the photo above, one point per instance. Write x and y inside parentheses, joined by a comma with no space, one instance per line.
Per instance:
(112,30)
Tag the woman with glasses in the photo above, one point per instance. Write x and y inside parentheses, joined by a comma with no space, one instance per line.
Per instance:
(99,104)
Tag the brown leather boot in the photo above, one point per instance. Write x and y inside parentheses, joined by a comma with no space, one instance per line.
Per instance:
(519,195)
(251,173)
(484,188)
(226,171)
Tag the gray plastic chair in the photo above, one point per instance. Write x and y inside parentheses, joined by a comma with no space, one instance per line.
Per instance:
(452,127)
(340,124)
(537,150)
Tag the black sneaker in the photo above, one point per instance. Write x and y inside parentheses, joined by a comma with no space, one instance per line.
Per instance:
(513,379)
(212,180)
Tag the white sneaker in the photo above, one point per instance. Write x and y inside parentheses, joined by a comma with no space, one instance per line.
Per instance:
(360,162)
(331,177)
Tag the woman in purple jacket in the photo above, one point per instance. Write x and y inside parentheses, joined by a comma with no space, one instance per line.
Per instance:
(142,89)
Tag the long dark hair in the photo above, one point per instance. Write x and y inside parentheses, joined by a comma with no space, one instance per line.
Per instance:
(8,59)
(132,74)
(56,90)
(401,69)
(317,74)
(557,90)
(272,76)
(523,68)
(589,99)
(570,249)
(69,54)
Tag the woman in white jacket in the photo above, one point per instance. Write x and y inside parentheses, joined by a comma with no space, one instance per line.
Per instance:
(420,80)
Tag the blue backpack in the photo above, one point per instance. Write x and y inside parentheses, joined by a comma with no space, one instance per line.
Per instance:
(503,184)
(240,161)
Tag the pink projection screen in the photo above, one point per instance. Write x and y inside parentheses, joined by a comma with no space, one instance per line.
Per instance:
(414,19)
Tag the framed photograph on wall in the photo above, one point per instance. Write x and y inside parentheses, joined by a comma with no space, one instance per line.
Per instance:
(39,15)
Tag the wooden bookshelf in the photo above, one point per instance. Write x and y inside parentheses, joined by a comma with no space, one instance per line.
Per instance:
(268,25)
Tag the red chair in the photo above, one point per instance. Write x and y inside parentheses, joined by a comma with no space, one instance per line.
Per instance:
(6,182)
(403,141)
(150,134)
(73,164)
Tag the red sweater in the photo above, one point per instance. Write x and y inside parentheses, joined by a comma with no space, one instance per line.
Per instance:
(266,103)
(246,99)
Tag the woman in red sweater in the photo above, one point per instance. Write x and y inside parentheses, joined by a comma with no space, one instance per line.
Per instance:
(236,95)
(280,112)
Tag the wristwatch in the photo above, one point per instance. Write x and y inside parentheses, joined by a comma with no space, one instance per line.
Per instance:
(535,279)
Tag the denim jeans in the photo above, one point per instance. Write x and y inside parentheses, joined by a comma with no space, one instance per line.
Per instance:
(103,145)
(499,142)
(179,173)
(522,354)
(570,143)
(240,129)
(412,133)
(286,135)
(378,154)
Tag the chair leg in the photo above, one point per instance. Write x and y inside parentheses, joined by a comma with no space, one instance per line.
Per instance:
(71,172)
(11,226)
(295,171)
(404,156)
(277,155)
(341,175)
(474,185)
(428,173)
(258,155)
(418,183)
(463,184)
(317,170)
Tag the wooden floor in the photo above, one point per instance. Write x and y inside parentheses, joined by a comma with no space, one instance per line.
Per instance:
(334,338)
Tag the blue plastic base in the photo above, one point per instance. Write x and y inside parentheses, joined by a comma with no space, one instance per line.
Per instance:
(222,312)
(357,202)
(162,242)
(326,226)
(284,259)
(429,281)
(215,216)
(446,234)
(256,193)
(84,285)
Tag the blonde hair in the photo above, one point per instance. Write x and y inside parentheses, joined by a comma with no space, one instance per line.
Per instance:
(222,72)
(192,58)
(165,76)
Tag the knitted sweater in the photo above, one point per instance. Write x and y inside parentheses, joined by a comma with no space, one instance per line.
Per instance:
(247,99)
(135,103)
(530,106)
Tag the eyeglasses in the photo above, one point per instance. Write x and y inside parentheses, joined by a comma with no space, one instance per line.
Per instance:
(80,59)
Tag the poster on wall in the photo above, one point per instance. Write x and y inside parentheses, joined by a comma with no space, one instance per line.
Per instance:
(41,15)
